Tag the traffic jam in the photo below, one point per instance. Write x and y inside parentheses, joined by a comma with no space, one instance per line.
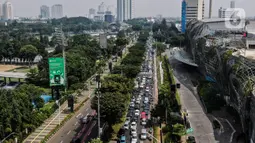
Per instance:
(137,127)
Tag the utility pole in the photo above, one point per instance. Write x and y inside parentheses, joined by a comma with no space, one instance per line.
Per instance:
(62,41)
(98,103)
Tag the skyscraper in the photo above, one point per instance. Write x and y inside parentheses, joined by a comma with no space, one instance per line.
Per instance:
(7,10)
(194,9)
(44,11)
(232,4)
(210,9)
(57,11)
(101,11)
(120,10)
(124,10)
(183,19)
(131,9)
(92,13)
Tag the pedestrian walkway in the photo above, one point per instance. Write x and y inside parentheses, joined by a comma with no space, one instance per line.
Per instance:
(57,117)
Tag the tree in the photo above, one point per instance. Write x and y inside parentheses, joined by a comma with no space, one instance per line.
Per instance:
(121,41)
(160,47)
(137,27)
(32,76)
(96,141)
(29,52)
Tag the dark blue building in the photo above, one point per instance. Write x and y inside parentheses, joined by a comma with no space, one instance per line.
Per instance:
(183,24)
(108,18)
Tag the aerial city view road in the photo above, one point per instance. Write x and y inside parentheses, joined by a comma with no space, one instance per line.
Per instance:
(126,71)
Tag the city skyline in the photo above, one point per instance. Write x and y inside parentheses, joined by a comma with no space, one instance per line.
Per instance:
(165,7)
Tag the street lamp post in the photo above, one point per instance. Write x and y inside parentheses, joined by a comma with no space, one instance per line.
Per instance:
(58,103)
(154,137)
(16,140)
(98,103)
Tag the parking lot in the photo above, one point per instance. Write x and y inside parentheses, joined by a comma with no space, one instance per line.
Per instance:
(138,128)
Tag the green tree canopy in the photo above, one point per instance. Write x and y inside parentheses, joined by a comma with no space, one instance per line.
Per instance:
(28,52)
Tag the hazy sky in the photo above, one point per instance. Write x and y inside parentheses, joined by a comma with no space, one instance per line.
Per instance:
(141,7)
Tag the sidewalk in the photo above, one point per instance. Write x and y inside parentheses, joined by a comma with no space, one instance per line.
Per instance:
(49,124)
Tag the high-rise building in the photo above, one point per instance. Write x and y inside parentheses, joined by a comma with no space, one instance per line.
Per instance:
(120,10)
(101,11)
(44,11)
(183,18)
(92,13)
(124,10)
(232,4)
(210,9)
(131,9)
(194,9)
(57,11)
(1,11)
(224,13)
(7,10)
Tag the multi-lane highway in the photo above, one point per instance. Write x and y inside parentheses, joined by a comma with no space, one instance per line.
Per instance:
(74,127)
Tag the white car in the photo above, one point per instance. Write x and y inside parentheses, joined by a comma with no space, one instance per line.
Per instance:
(137,112)
(143,134)
(126,125)
(137,101)
(133,133)
(132,104)
(143,122)
(133,125)
(134,140)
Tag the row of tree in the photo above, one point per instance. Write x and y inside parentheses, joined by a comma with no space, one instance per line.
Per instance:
(72,24)
(168,108)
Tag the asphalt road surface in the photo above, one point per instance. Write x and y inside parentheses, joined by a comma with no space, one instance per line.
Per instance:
(187,76)
(73,127)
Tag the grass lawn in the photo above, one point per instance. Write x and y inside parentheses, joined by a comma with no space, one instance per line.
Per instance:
(117,127)
(47,106)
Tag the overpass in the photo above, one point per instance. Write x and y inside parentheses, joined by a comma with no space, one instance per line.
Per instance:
(10,75)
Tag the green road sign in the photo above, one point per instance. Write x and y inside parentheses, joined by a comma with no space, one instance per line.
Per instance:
(190,130)
(56,72)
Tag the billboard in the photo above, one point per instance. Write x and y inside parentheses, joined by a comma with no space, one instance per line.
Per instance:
(56,71)
(183,23)
(103,40)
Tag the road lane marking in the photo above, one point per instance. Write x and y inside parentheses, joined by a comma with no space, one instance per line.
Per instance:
(89,131)
(76,123)
(232,134)
(69,132)
(78,115)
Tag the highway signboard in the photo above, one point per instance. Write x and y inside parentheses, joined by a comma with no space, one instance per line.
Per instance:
(56,71)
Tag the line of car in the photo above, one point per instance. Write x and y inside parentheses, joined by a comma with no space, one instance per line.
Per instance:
(138,117)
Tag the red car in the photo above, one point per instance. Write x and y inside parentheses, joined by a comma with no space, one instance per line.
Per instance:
(143,115)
